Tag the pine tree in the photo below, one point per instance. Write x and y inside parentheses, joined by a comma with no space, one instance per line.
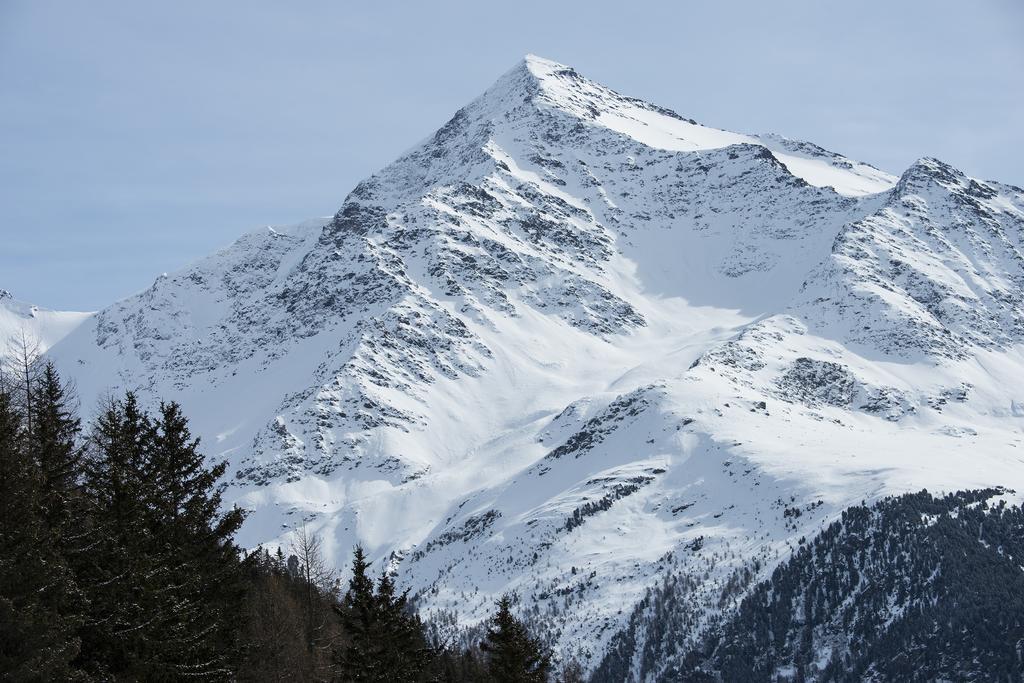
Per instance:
(405,653)
(121,571)
(37,632)
(189,530)
(53,443)
(359,616)
(165,581)
(514,656)
(385,640)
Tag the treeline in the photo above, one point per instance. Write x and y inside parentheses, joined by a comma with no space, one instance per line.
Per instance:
(913,588)
(118,563)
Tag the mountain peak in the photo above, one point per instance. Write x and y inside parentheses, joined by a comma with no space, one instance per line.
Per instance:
(544,83)
(537,85)
(934,166)
(542,67)
(928,170)
(544,104)
(554,76)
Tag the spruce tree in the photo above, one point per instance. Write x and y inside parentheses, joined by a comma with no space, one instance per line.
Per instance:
(37,631)
(513,655)
(122,571)
(385,640)
(359,617)
(405,652)
(188,528)
(165,580)
(53,443)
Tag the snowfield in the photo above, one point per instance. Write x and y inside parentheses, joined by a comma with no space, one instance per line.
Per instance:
(40,328)
(574,344)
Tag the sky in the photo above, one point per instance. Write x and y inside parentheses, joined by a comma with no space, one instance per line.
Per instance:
(138,137)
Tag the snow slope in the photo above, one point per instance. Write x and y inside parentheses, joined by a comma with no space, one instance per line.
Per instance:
(41,327)
(574,344)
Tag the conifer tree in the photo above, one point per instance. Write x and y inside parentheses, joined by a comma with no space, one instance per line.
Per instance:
(166,579)
(188,528)
(513,655)
(405,652)
(37,634)
(121,572)
(55,448)
(53,443)
(359,617)
(385,641)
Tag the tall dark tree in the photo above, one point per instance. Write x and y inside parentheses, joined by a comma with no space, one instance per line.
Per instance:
(54,444)
(165,579)
(385,640)
(121,571)
(513,654)
(359,615)
(37,633)
(406,653)
(188,527)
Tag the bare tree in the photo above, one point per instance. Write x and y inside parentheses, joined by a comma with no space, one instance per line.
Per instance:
(20,369)
(320,586)
(314,568)
(273,630)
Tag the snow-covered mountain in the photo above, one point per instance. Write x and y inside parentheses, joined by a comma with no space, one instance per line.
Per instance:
(40,328)
(575,344)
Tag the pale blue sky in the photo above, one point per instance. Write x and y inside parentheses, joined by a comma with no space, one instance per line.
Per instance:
(137,138)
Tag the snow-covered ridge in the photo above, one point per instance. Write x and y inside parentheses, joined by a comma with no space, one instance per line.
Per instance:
(40,328)
(574,344)
(563,88)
